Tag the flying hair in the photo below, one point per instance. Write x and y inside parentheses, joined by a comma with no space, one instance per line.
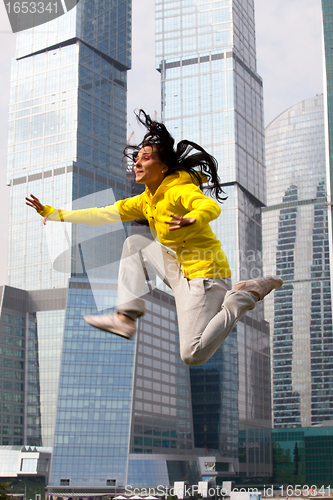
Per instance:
(187,156)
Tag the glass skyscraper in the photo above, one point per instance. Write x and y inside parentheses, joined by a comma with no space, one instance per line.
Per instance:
(211,94)
(299,246)
(327,9)
(296,247)
(67,129)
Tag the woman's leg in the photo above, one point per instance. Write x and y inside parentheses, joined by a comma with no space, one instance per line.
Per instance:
(141,253)
(204,321)
(207,309)
(207,312)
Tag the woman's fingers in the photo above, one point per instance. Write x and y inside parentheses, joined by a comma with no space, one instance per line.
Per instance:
(179,221)
(31,201)
(34,202)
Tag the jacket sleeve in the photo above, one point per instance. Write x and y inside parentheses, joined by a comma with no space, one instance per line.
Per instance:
(123,210)
(200,207)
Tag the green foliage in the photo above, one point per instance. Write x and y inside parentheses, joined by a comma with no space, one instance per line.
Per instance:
(33,485)
(285,469)
(300,477)
(296,459)
(3,491)
(282,465)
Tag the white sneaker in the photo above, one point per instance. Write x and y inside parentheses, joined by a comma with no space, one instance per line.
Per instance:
(261,287)
(112,324)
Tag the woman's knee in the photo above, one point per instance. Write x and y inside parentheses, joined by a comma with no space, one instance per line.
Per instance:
(135,243)
(192,359)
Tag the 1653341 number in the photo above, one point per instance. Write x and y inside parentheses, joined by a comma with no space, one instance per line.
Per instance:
(305,490)
(32,7)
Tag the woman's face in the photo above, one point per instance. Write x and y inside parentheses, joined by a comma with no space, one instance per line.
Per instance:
(149,169)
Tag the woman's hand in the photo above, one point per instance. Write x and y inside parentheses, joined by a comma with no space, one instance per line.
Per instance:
(36,204)
(178,222)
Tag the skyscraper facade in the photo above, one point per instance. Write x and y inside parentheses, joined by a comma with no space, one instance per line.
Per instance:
(296,247)
(327,10)
(296,244)
(67,127)
(18,344)
(212,94)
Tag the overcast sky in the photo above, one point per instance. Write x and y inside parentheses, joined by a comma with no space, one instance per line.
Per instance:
(289,59)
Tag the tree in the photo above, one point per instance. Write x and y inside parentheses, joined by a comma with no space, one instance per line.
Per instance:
(296,460)
(3,491)
(282,465)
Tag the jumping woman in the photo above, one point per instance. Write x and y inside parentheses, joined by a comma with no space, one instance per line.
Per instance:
(187,256)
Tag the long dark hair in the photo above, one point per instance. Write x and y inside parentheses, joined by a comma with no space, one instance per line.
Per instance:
(187,156)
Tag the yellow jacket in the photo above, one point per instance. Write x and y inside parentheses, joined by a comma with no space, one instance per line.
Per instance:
(197,248)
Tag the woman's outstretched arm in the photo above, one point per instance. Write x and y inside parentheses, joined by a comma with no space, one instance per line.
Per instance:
(200,209)
(123,210)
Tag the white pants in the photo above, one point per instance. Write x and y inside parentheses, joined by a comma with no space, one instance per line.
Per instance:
(207,308)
